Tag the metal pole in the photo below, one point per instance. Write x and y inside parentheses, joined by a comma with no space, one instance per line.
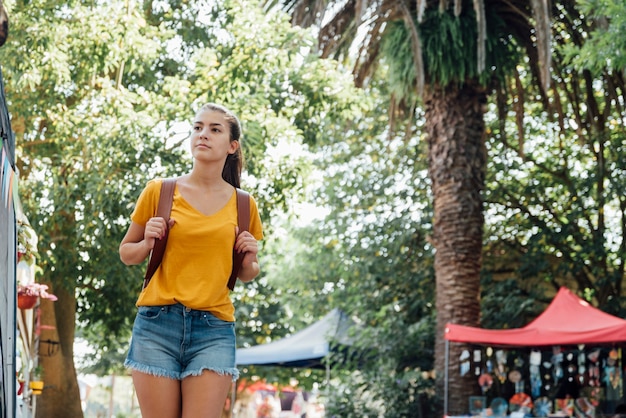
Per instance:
(233,399)
(327,381)
(445,379)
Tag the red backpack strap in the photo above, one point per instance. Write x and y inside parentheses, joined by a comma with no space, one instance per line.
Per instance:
(243,221)
(163,211)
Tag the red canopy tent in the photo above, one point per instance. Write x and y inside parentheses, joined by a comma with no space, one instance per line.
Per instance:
(567,320)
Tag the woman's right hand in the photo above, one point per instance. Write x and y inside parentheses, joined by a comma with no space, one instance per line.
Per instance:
(140,239)
(155,229)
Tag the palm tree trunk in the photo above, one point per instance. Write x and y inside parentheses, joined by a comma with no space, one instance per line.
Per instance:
(457,161)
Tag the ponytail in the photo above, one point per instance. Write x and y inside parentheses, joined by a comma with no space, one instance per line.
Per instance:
(232,168)
(234,162)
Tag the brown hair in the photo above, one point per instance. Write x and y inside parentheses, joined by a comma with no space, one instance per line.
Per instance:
(234,162)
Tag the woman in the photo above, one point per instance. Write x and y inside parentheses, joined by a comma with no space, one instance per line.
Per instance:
(182,352)
(4,24)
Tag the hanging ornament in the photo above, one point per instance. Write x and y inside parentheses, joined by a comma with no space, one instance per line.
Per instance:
(485,381)
(542,407)
(521,402)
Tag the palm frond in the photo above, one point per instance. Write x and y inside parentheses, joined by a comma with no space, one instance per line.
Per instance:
(438,53)
(541,13)
(367,57)
(481,35)
(416,46)
(335,33)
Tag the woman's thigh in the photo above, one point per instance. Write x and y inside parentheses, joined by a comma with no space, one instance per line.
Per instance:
(204,396)
(159,397)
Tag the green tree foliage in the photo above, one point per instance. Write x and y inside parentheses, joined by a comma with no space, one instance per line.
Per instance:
(366,251)
(97,116)
(554,215)
(557,196)
(459,51)
(603,24)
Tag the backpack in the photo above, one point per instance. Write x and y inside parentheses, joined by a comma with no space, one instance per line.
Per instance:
(163,210)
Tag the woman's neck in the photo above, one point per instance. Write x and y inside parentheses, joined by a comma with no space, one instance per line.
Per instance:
(206,178)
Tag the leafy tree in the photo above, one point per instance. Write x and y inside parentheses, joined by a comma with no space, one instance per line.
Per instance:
(450,55)
(556,191)
(440,57)
(367,253)
(604,24)
(97,116)
(85,144)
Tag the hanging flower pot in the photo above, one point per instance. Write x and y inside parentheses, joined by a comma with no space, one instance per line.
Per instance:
(36,386)
(28,294)
(26,301)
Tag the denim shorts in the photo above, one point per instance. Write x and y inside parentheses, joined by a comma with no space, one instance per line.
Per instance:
(176,342)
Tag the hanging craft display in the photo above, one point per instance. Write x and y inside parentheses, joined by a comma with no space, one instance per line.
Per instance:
(521,402)
(515,377)
(565,381)
(535,373)
(542,407)
(485,381)
(477,362)
(565,406)
(465,363)
(583,408)
(613,376)
(594,368)
(499,407)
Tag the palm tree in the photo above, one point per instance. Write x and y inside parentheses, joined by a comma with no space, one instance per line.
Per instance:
(451,55)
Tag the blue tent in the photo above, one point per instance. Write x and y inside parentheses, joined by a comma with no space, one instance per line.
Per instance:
(306,348)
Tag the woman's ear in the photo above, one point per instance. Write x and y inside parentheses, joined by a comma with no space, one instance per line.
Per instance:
(234,146)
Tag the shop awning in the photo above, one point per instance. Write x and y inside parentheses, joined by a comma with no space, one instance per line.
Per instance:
(567,320)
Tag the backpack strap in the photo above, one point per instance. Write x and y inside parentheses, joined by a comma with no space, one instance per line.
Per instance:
(163,211)
(243,221)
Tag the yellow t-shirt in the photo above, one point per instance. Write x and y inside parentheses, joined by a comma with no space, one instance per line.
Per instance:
(198,261)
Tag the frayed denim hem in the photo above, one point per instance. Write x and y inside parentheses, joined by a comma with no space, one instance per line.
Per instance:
(151,370)
(234,372)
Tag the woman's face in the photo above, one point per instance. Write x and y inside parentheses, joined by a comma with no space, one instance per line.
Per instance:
(210,136)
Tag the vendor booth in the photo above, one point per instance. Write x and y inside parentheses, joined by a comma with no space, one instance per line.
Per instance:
(311,347)
(567,362)
(307,348)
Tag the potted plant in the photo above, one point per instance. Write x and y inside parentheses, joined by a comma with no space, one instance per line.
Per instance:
(36,382)
(29,294)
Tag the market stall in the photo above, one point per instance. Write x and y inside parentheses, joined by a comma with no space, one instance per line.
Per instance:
(306,348)
(567,361)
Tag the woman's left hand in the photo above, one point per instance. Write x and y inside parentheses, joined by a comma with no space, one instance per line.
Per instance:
(246,243)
